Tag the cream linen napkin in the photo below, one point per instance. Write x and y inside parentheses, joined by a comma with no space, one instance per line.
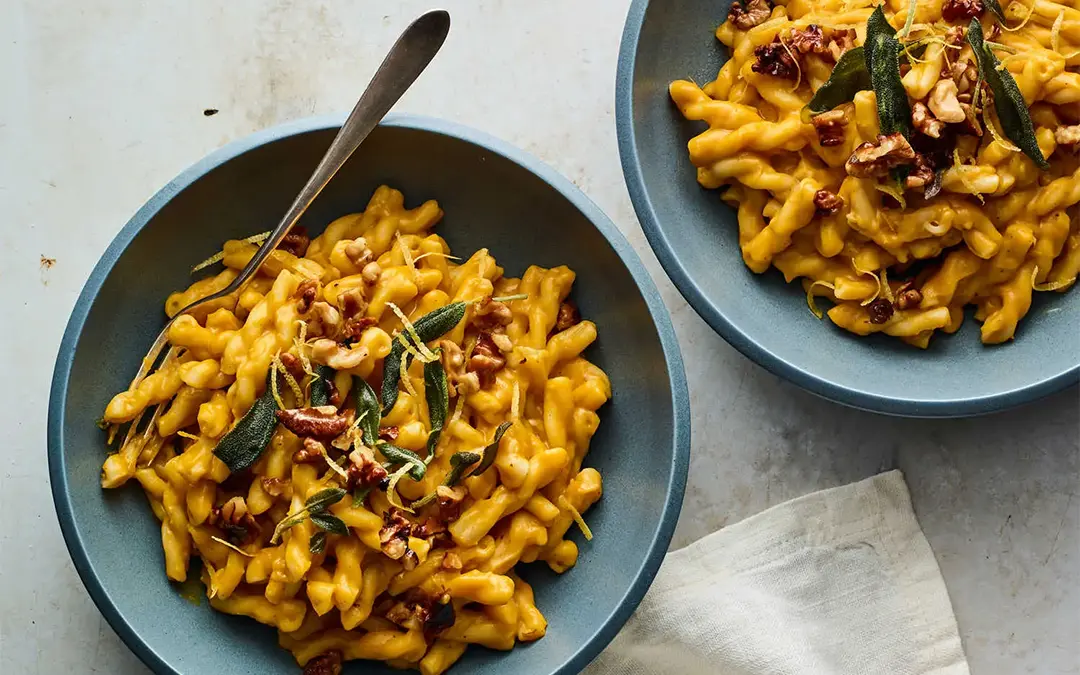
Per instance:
(840,582)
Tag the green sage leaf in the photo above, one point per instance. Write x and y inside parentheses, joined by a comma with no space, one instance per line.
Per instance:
(320,386)
(882,53)
(317,544)
(322,499)
(491,450)
(246,441)
(329,523)
(359,496)
(431,326)
(367,410)
(1012,110)
(396,455)
(995,7)
(437,394)
(848,78)
(459,461)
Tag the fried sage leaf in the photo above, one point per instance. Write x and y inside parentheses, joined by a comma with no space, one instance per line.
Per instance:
(848,78)
(431,326)
(317,543)
(882,53)
(459,461)
(994,7)
(367,410)
(329,523)
(396,455)
(491,450)
(1009,103)
(245,442)
(438,400)
(323,499)
(320,386)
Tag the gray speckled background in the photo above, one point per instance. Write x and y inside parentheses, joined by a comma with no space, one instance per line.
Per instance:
(103,104)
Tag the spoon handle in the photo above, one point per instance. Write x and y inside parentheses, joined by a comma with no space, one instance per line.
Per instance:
(408,57)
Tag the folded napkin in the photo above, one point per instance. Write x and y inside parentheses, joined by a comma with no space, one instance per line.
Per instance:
(840,582)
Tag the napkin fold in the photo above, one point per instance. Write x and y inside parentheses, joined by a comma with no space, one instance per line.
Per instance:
(839,582)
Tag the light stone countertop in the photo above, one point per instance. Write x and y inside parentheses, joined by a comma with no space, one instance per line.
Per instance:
(102,103)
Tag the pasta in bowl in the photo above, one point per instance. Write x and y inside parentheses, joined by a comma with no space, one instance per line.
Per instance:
(951,170)
(364,449)
(269,456)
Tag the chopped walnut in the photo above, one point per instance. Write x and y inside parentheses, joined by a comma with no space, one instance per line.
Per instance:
(491,315)
(809,40)
(746,15)
(234,519)
(830,127)
(908,297)
(310,453)
(429,528)
(502,341)
(364,470)
(461,382)
(442,617)
(337,356)
(296,241)
(875,159)
(964,73)
(774,59)
(840,40)
(371,273)
(880,310)
(955,35)
(275,487)
(568,316)
(943,103)
(1068,136)
(450,500)
(955,11)
(925,122)
(394,535)
(321,422)
(325,320)
(306,292)
(921,175)
(357,252)
(324,664)
(452,561)
(292,364)
(486,359)
(352,303)
(389,434)
(355,327)
(827,203)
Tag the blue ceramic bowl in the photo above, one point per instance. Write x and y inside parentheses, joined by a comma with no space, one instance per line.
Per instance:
(695,236)
(494,196)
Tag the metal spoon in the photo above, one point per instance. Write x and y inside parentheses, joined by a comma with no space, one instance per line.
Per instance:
(408,57)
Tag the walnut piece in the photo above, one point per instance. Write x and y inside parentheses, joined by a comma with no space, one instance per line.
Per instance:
(352,303)
(830,127)
(568,316)
(324,664)
(234,519)
(486,359)
(364,470)
(310,453)
(1068,136)
(296,241)
(306,292)
(357,252)
(921,175)
(337,356)
(292,364)
(355,327)
(773,59)
(955,35)
(809,40)
(880,310)
(460,382)
(450,500)
(371,273)
(925,122)
(394,536)
(943,102)
(956,11)
(746,15)
(875,159)
(491,315)
(321,422)
(325,320)
(908,297)
(827,203)
(275,487)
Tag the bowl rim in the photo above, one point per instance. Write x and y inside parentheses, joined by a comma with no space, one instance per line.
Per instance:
(643,576)
(733,334)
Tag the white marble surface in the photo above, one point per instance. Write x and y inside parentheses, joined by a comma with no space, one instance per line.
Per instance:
(102,103)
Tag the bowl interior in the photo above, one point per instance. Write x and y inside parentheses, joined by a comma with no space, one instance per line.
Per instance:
(695,236)
(490,201)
